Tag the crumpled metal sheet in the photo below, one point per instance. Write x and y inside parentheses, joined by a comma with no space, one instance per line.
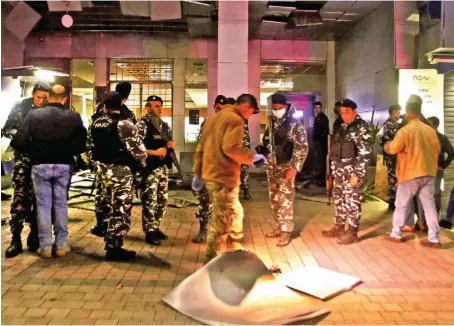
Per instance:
(237,288)
(320,282)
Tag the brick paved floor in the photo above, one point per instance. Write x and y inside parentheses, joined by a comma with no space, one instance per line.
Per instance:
(403,283)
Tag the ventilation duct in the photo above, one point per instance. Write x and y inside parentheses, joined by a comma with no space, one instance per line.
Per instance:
(306,18)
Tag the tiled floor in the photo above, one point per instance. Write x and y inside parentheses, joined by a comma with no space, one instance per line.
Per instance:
(403,283)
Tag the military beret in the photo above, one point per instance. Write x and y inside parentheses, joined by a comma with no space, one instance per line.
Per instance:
(124,88)
(231,100)
(154,98)
(278,98)
(347,103)
(41,86)
(112,100)
(221,99)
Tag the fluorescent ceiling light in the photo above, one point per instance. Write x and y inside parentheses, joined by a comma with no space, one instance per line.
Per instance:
(198,3)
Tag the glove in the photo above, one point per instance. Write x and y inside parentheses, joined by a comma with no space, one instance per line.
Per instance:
(197,183)
(259,160)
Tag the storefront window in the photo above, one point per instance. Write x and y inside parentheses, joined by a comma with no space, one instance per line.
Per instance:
(148,77)
(82,85)
(196,98)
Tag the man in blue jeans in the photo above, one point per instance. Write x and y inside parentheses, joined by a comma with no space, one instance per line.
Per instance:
(52,136)
(417,148)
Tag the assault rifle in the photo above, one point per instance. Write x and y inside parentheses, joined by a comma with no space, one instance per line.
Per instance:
(166,137)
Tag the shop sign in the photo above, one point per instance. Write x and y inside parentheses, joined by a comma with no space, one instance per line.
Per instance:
(426,83)
(280,84)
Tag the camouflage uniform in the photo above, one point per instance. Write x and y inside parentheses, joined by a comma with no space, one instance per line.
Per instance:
(244,176)
(389,131)
(23,207)
(116,179)
(102,198)
(347,200)
(155,193)
(288,133)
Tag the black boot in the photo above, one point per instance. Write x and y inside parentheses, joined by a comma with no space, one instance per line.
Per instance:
(32,239)
(246,194)
(119,254)
(5,196)
(99,230)
(446,224)
(151,237)
(16,246)
(161,235)
(201,237)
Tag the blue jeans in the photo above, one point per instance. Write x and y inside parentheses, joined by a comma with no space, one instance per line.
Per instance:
(50,184)
(424,188)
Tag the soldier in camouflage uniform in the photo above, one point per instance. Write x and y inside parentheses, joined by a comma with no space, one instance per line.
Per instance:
(155,194)
(244,176)
(205,208)
(23,207)
(285,159)
(119,151)
(350,155)
(389,131)
(102,204)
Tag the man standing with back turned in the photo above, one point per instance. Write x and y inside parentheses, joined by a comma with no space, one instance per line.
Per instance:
(217,160)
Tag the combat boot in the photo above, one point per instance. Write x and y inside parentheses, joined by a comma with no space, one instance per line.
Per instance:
(151,237)
(349,237)
(161,235)
(32,239)
(246,194)
(284,239)
(119,254)
(99,230)
(201,237)
(16,245)
(336,231)
(276,233)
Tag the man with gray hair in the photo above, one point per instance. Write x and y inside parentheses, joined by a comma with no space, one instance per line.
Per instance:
(417,147)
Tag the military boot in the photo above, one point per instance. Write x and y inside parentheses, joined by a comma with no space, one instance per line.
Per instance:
(151,237)
(99,230)
(161,235)
(32,239)
(246,194)
(201,237)
(284,239)
(336,231)
(349,237)
(276,233)
(119,254)
(15,247)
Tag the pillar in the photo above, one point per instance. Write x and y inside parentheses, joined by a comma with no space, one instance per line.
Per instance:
(330,82)
(254,88)
(233,48)
(100,78)
(178,108)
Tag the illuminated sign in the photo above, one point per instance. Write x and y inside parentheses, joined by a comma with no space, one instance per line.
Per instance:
(426,83)
(279,84)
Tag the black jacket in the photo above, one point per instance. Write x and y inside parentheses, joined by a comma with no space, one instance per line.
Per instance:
(446,148)
(321,130)
(51,135)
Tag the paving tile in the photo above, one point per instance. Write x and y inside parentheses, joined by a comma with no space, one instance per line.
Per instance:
(36,312)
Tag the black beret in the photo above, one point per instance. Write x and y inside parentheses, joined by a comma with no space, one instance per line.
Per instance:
(231,100)
(279,99)
(124,88)
(221,99)
(42,86)
(154,98)
(112,100)
(347,103)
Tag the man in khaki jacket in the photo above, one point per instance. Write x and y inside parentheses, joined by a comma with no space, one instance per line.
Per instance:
(417,148)
(217,161)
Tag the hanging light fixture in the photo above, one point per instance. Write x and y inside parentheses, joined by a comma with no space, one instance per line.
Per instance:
(67,20)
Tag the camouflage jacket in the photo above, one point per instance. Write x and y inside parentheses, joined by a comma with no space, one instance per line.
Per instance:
(359,133)
(16,117)
(142,128)
(201,128)
(296,135)
(390,128)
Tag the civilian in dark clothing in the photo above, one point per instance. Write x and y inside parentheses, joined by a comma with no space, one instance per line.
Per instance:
(320,137)
(338,122)
(52,136)
(124,88)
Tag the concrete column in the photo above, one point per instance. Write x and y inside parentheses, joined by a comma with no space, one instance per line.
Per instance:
(178,105)
(405,34)
(330,82)
(254,88)
(100,78)
(233,48)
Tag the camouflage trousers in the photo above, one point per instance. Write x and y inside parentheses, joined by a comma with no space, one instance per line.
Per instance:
(281,193)
(205,208)
(116,184)
(347,200)
(227,219)
(103,200)
(23,207)
(390,162)
(155,199)
(244,177)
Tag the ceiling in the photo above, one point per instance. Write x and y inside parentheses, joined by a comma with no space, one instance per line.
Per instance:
(274,70)
(299,20)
